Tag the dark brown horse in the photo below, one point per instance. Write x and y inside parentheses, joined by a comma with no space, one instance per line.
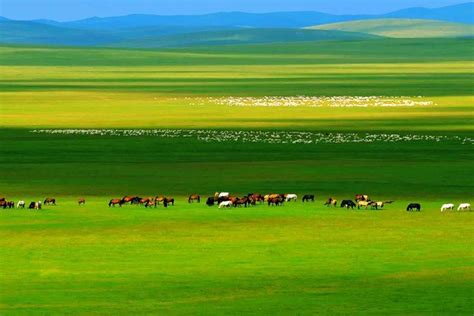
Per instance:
(276,201)
(81,201)
(167,201)
(3,203)
(114,202)
(194,197)
(308,197)
(210,201)
(11,204)
(254,198)
(50,201)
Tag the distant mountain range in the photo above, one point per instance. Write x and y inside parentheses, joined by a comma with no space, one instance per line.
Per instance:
(220,28)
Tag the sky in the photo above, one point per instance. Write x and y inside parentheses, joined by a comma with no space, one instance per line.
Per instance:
(66,10)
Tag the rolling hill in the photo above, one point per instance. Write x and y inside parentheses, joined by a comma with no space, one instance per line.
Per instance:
(153,31)
(242,36)
(402,28)
(21,32)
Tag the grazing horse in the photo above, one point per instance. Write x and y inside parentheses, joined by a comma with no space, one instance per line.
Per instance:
(32,205)
(21,204)
(167,201)
(308,197)
(363,204)
(414,206)
(3,204)
(348,204)
(254,197)
(273,196)
(130,199)
(331,202)
(225,204)
(210,201)
(114,202)
(291,197)
(225,198)
(242,201)
(194,197)
(276,201)
(159,199)
(145,200)
(50,201)
(218,195)
(361,197)
(447,207)
(464,207)
(150,203)
(11,204)
(81,201)
(379,205)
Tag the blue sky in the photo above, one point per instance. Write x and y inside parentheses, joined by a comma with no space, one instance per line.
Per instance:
(64,10)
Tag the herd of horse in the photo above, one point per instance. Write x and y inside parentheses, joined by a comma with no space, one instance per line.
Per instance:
(34,205)
(226,200)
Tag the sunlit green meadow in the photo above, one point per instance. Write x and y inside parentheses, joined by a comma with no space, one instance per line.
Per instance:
(192,259)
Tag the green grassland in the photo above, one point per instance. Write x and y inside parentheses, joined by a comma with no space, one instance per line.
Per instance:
(299,259)
(402,28)
(191,259)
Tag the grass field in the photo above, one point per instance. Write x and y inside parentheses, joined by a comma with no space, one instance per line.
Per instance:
(190,137)
(403,28)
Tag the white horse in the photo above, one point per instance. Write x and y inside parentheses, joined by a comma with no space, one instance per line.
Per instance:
(291,197)
(447,207)
(225,204)
(21,204)
(464,207)
(224,195)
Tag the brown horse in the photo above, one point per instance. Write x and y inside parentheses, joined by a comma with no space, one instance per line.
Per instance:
(130,199)
(50,201)
(159,199)
(241,201)
(11,204)
(276,201)
(167,201)
(81,201)
(362,197)
(194,197)
(145,200)
(150,203)
(331,202)
(114,202)
(3,203)
(254,197)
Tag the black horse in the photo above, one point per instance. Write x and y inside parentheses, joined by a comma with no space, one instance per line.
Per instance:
(414,207)
(348,204)
(210,201)
(308,197)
